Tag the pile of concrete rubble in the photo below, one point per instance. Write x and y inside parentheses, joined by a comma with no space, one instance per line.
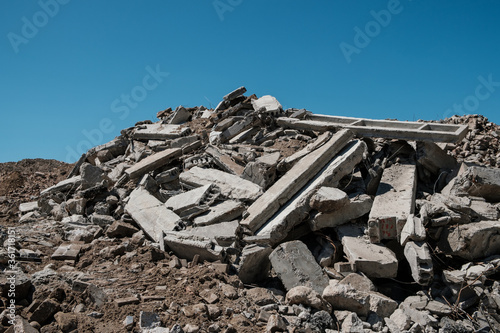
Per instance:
(370,225)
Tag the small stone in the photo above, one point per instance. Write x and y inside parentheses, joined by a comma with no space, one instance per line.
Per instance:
(275,324)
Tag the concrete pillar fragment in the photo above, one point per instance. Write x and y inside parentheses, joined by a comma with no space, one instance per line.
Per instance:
(419,258)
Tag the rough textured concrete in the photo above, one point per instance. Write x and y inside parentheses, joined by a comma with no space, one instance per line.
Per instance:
(394,202)
(433,158)
(153,162)
(159,131)
(476,181)
(355,208)
(180,202)
(295,211)
(64,186)
(224,211)
(472,241)
(328,199)
(420,260)
(254,263)
(374,260)
(269,103)
(187,246)
(413,230)
(295,266)
(151,214)
(224,233)
(292,181)
(231,186)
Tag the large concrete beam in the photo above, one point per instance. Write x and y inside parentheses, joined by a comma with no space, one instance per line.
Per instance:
(153,162)
(159,131)
(295,211)
(292,181)
(388,129)
(394,202)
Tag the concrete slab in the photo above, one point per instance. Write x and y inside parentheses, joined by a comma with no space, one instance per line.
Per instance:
(183,141)
(288,162)
(263,170)
(433,158)
(27,207)
(355,208)
(167,176)
(153,162)
(180,115)
(297,209)
(394,202)
(295,266)
(159,131)
(181,202)
(237,128)
(374,260)
(224,161)
(292,181)
(186,246)
(224,233)
(64,186)
(471,241)
(254,263)
(413,230)
(67,252)
(328,199)
(268,103)
(151,214)
(225,211)
(230,185)
(235,93)
(419,258)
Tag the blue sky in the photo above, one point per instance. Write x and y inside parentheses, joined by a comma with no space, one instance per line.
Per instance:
(74,73)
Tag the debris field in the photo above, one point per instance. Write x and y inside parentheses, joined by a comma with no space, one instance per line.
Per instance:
(252,218)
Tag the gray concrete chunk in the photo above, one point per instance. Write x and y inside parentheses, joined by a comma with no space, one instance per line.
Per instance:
(268,103)
(328,199)
(63,186)
(225,211)
(413,230)
(151,214)
(374,260)
(235,93)
(27,207)
(355,208)
(153,162)
(180,115)
(292,181)
(394,202)
(295,266)
(419,258)
(254,263)
(181,202)
(231,186)
(159,131)
(471,241)
(186,246)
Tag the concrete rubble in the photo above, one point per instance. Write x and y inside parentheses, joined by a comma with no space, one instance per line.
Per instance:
(320,223)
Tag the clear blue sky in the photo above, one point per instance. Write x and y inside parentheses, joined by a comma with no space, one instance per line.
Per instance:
(67,66)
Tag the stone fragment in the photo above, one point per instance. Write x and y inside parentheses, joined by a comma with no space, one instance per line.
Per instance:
(66,322)
(476,181)
(224,211)
(263,170)
(261,296)
(328,199)
(235,93)
(149,320)
(230,185)
(413,230)
(359,282)
(355,208)
(16,279)
(153,162)
(167,176)
(184,201)
(374,260)
(345,297)
(275,324)
(159,131)
(420,260)
(308,297)
(44,311)
(91,175)
(120,229)
(21,325)
(267,104)
(179,116)
(208,296)
(224,233)
(127,301)
(352,323)
(187,246)
(67,252)
(254,263)
(76,206)
(27,207)
(433,158)
(295,266)
(394,202)
(102,220)
(151,214)
(64,186)
(401,319)
(322,321)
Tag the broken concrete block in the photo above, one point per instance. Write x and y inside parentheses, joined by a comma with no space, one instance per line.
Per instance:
(263,170)
(179,116)
(237,128)
(355,208)
(419,258)
(394,202)
(476,181)
(224,161)
(27,207)
(433,158)
(224,233)
(151,214)
(292,181)
(121,229)
(91,175)
(184,201)
(102,220)
(359,282)
(45,311)
(153,162)
(64,186)
(374,260)
(14,279)
(471,241)
(308,297)
(67,252)
(230,185)
(20,325)
(267,104)
(345,297)
(295,211)
(235,93)
(187,246)
(224,211)
(484,210)
(76,206)
(159,131)
(328,199)
(167,176)
(413,230)
(295,266)
(254,263)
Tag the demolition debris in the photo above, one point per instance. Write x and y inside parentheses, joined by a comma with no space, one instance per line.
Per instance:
(251,217)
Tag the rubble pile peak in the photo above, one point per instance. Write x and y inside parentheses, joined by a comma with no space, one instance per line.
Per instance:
(315,223)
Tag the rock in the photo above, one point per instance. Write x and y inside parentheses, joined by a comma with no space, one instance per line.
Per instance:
(121,229)
(352,323)
(261,296)
(66,322)
(328,199)
(322,321)
(149,320)
(275,324)
(308,297)
(21,281)
(45,311)
(401,319)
